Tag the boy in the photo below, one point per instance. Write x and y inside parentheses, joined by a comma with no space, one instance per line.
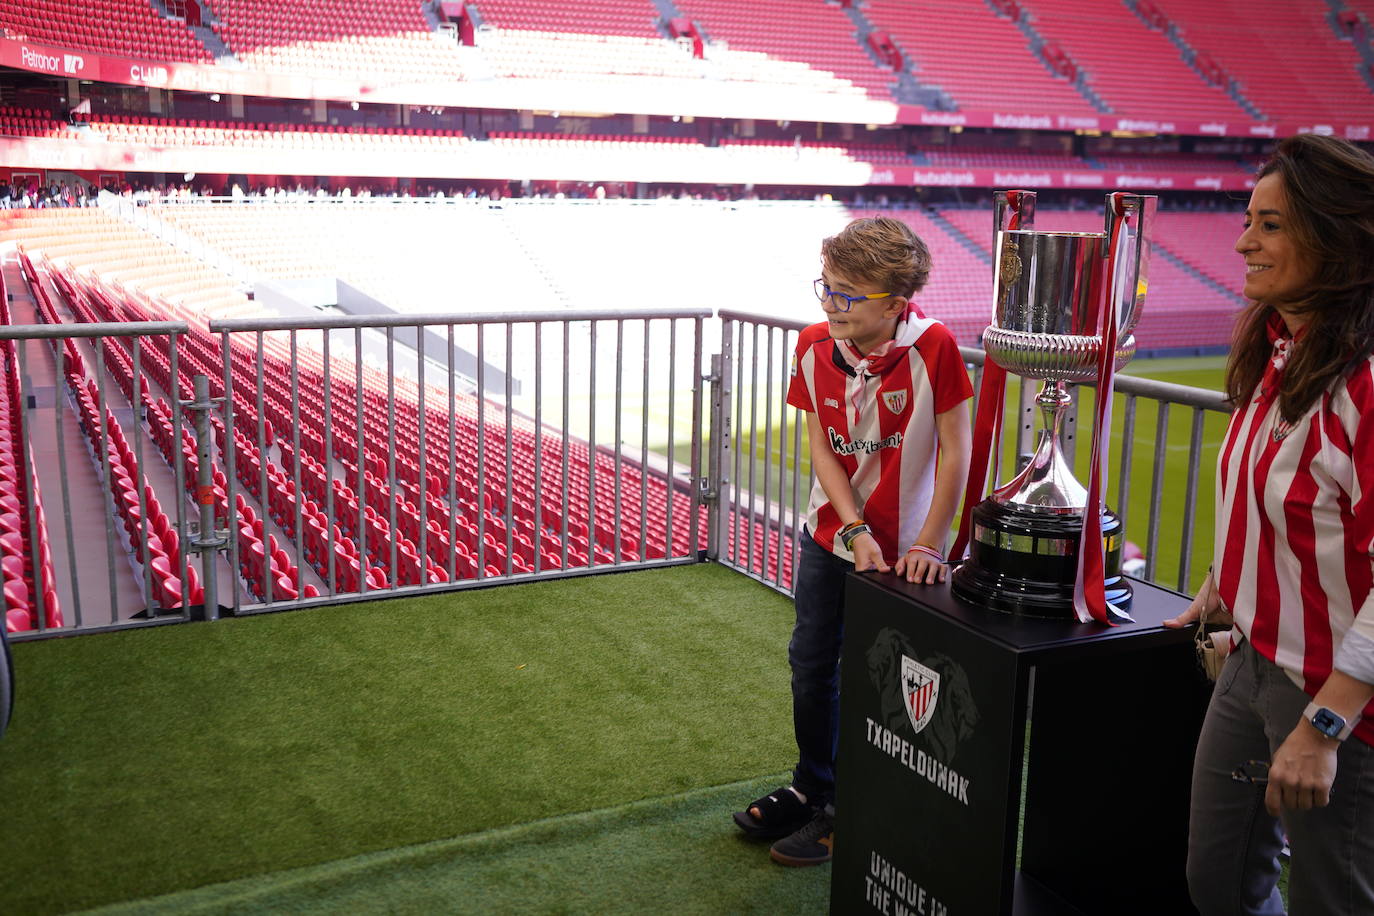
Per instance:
(883,389)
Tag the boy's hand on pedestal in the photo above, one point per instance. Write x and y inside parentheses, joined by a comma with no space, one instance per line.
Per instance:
(918,567)
(868,555)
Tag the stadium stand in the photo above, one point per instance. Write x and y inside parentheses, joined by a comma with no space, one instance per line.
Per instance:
(151,131)
(265,562)
(133,30)
(28,122)
(148,533)
(254,135)
(1205,242)
(760,254)
(960,276)
(1136,70)
(1003,158)
(92,241)
(1184,162)
(381,40)
(980,59)
(26,566)
(1283,56)
(814,34)
(606,17)
(1184,310)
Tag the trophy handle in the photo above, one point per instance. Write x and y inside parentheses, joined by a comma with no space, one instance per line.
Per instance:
(1128,278)
(1012,210)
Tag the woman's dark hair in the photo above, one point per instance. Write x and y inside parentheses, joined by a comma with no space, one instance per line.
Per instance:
(1329,189)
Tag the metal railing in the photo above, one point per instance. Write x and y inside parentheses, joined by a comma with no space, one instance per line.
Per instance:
(602,510)
(760,470)
(331,460)
(88,415)
(280,463)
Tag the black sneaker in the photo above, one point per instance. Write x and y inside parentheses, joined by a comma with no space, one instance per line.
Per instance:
(811,845)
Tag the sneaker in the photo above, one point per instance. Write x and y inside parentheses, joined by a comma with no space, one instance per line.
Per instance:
(811,845)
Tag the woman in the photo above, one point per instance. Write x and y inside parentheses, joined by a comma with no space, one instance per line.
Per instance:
(1288,742)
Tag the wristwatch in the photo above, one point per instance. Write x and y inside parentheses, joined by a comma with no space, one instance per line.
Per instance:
(1329,723)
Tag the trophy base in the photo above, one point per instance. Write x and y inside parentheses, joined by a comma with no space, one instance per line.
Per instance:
(1024,562)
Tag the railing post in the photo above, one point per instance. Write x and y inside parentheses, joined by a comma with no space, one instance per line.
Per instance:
(711,487)
(208,540)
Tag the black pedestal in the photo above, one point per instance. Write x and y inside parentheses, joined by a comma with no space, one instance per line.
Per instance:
(942,702)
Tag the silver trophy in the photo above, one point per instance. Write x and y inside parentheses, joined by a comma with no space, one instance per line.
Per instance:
(1048,295)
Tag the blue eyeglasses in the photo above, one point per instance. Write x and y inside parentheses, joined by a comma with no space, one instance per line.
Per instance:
(839,301)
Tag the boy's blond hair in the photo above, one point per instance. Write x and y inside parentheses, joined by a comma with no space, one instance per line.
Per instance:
(880,250)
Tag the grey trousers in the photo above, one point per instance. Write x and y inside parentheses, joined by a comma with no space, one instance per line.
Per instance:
(1233,843)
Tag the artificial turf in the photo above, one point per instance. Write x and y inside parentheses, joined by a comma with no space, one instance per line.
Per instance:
(665,855)
(152,761)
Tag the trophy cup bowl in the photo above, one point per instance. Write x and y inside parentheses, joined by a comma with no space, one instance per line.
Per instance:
(1049,289)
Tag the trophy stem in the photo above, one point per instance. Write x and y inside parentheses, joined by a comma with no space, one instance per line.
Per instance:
(1053,400)
(1046,484)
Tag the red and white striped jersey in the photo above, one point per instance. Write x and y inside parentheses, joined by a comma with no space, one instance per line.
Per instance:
(1294,555)
(878,413)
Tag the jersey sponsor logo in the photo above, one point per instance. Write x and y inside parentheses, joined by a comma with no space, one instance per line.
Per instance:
(896,400)
(842,446)
(831,402)
(920,692)
(794,365)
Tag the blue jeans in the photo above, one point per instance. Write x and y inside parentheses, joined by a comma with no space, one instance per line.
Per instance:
(814,655)
(1233,844)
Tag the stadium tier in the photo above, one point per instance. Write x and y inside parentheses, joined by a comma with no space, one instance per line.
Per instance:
(977,58)
(817,35)
(1238,69)
(28,122)
(973,157)
(1187,307)
(27,576)
(113,27)
(607,17)
(1205,242)
(1171,162)
(1285,58)
(1129,67)
(385,40)
(490,527)
(149,131)
(760,257)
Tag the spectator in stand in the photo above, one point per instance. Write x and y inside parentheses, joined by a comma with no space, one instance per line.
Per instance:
(1288,742)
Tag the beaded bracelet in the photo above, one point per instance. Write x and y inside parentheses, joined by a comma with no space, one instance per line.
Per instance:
(928,551)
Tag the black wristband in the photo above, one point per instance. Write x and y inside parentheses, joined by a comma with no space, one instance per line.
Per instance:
(849,534)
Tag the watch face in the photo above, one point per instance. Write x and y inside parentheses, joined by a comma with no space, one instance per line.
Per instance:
(1327,722)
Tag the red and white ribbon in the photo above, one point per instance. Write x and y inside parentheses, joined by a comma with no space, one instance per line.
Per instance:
(1089,592)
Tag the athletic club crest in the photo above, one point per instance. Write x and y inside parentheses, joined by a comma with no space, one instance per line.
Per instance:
(895,401)
(1282,428)
(920,692)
